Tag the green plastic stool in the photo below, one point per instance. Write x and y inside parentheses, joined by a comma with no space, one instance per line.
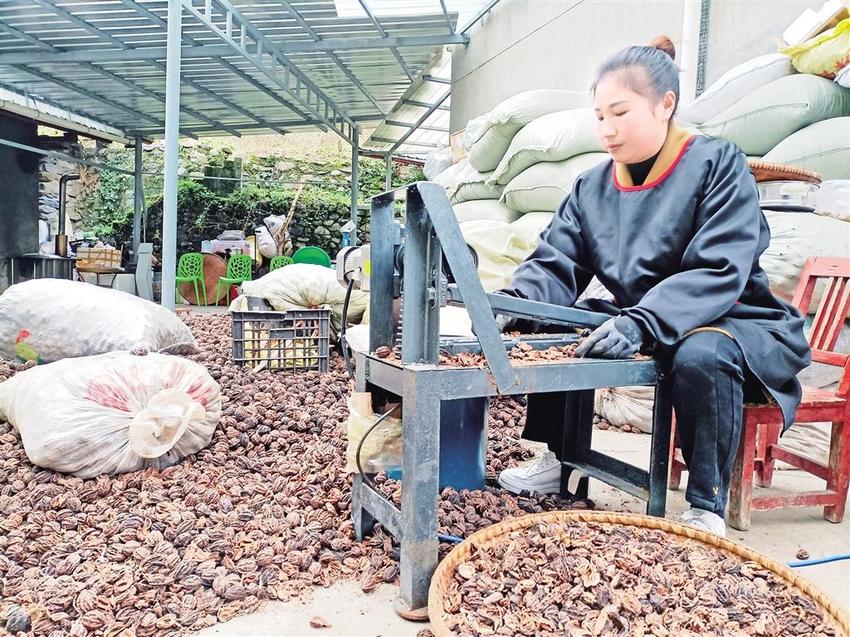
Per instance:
(278,262)
(190,269)
(240,268)
(312,254)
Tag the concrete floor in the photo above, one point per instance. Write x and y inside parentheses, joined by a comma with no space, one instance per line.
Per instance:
(778,534)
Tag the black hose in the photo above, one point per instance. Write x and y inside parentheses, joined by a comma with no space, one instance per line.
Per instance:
(342,342)
(371,428)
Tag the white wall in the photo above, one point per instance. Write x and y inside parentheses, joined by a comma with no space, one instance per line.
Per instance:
(527,44)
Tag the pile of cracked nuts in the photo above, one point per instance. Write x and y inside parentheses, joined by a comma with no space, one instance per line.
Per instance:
(598,579)
(262,513)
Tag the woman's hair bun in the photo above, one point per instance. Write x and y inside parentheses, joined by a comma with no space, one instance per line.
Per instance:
(664,43)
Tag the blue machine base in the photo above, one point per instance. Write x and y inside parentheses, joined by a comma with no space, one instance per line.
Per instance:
(463,444)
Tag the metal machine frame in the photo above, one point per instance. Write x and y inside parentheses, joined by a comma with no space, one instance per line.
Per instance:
(431,232)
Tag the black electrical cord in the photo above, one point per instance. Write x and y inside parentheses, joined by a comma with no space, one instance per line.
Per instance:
(344,343)
(371,428)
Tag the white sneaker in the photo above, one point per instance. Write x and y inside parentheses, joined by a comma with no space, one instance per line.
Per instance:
(541,475)
(704,521)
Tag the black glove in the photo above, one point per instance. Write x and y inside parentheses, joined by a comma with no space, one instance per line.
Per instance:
(505,323)
(618,337)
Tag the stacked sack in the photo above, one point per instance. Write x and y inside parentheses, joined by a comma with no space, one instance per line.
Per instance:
(522,160)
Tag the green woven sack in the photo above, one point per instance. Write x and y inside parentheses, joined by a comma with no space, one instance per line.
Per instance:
(771,113)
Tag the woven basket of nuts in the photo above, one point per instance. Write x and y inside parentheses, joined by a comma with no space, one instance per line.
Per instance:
(595,573)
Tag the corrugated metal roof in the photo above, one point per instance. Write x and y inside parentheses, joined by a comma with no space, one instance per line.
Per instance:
(105,60)
(419,122)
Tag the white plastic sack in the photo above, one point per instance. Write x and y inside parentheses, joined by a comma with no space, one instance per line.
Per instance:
(626,406)
(265,243)
(304,286)
(834,199)
(553,137)
(529,226)
(469,185)
(773,112)
(842,78)
(735,84)
(436,162)
(382,450)
(484,210)
(794,237)
(498,127)
(51,319)
(112,413)
(473,130)
(500,250)
(823,147)
(544,186)
(448,177)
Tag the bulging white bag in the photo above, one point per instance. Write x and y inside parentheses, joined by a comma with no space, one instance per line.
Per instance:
(553,137)
(50,319)
(494,131)
(794,237)
(112,413)
(626,406)
(304,286)
(735,84)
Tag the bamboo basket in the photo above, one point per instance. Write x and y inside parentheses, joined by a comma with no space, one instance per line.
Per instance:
(769,171)
(445,571)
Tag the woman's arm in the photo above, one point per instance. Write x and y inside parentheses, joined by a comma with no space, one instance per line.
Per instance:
(555,272)
(717,262)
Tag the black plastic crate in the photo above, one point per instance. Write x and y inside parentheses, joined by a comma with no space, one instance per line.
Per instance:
(295,340)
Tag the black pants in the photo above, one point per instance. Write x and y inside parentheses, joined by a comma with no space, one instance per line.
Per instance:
(710,384)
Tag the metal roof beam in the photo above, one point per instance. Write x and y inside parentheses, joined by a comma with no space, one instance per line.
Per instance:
(421,104)
(87,93)
(386,140)
(436,105)
(333,56)
(392,122)
(268,59)
(434,78)
(385,35)
(252,127)
(446,16)
(112,76)
(50,5)
(231,67)
(212,50)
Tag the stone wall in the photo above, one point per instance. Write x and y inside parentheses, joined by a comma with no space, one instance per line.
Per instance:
(50,170)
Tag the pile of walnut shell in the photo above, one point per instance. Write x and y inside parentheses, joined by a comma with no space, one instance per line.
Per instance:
(262,513)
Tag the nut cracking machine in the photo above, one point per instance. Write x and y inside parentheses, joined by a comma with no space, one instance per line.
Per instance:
(411,268)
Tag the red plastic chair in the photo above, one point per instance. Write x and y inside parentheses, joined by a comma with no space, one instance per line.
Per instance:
(762,425)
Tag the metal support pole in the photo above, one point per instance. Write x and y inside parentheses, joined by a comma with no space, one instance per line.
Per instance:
(138,201)
(355,178)
(389,159)
(172,148)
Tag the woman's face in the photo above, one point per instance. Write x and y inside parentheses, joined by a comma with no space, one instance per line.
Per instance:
(631,126)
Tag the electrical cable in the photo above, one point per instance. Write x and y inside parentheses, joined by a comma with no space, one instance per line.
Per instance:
(371,428)
(453,539)
(342,342)
(819,560)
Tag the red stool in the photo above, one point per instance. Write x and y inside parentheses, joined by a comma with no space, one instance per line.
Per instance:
(762,424)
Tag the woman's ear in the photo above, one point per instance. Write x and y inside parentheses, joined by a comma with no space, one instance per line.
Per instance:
(667,105)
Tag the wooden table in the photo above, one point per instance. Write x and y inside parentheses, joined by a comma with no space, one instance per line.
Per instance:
(99,272)
(214,267)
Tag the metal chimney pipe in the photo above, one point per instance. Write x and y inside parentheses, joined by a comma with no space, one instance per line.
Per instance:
(61,237)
